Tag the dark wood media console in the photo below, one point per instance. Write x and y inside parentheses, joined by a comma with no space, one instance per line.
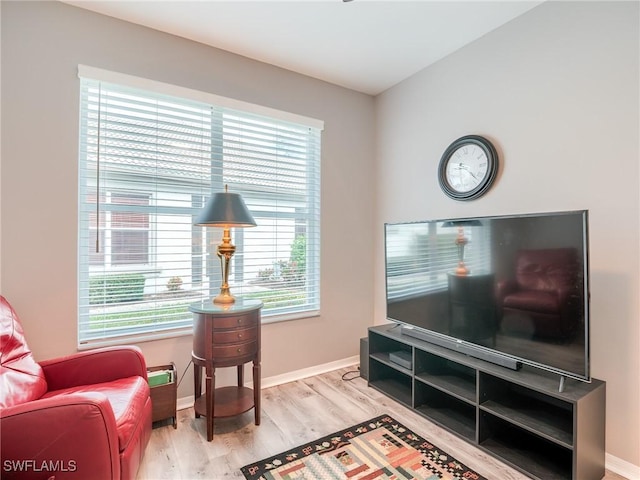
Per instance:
(519,417)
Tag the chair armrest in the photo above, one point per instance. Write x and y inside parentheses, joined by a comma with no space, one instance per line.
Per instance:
(68,437)
(94,366)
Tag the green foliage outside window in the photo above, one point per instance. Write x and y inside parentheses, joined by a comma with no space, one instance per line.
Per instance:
(299,252)
(292,271)
(119,288)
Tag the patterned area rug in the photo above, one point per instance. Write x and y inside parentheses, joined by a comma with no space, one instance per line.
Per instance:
(380,448)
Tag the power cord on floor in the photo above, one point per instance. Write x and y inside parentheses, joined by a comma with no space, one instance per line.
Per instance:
(346,376)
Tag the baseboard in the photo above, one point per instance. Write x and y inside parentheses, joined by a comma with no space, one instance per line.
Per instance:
(613,464)
(309,372)
(622,467)
(184,402)
(187,402)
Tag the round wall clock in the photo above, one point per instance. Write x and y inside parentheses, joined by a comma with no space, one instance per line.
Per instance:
(468,167)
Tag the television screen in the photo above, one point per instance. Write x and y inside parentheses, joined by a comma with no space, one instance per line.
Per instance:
(514,286)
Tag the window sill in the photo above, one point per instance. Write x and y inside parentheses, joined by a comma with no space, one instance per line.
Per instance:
(136,338)
(285,317)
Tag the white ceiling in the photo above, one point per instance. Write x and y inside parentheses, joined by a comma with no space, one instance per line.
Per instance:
(364,45)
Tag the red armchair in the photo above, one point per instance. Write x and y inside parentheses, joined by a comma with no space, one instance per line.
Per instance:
(86,415)
(541,299)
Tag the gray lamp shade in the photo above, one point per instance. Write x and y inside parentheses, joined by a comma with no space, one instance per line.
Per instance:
(225,209)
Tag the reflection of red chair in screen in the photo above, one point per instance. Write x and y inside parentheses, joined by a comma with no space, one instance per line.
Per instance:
(544,297)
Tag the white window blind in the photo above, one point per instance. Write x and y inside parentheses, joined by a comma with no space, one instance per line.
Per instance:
(148,163)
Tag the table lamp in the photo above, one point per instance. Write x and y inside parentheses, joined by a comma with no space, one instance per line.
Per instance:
(225,210)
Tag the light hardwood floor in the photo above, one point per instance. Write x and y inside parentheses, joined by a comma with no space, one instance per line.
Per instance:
(293,414)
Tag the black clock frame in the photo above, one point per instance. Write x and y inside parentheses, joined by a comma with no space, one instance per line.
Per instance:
(487,181)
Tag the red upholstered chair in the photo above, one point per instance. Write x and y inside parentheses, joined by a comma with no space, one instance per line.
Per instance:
(542,298)
(83,416)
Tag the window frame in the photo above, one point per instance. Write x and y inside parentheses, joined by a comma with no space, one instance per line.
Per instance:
(130,334)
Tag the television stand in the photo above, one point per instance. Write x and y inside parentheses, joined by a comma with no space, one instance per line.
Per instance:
(519,417)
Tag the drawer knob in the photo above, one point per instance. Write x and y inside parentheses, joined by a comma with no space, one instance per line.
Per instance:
(239,350)
(239,335)
(239,321)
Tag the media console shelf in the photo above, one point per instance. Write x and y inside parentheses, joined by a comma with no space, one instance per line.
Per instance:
(519,417)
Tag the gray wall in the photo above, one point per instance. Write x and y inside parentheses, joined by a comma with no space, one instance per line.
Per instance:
(557,92)
(42,44)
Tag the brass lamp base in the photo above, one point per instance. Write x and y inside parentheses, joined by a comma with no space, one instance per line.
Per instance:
(225,251)
(224,298)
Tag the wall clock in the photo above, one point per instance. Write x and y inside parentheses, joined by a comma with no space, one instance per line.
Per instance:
(468,167)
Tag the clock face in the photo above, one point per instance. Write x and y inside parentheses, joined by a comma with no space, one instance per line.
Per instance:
(468,167)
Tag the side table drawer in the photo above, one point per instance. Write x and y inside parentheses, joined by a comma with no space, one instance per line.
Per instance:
(237,321)
(234,351)
(234,336)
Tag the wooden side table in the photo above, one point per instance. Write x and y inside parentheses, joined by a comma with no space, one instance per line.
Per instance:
(225,336)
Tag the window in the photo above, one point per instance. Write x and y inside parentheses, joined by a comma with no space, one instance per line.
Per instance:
(148,163)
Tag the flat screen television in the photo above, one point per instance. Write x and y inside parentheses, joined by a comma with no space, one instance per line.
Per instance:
(512,289)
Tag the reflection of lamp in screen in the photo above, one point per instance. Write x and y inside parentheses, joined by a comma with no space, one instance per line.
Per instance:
(225,210)
(461,241)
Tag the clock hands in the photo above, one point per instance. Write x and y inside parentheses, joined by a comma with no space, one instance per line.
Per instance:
(468,170)
(462,166)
